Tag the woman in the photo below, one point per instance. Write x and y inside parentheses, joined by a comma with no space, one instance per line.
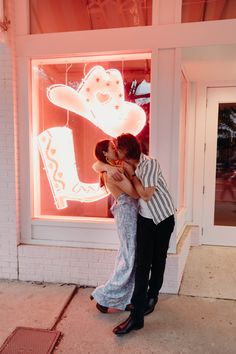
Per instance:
(117,291)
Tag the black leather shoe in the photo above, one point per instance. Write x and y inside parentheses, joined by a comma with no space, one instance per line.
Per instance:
(127,326)
(151,303)
(101,308)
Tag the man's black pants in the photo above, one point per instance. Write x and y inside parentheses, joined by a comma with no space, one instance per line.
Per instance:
(152,246)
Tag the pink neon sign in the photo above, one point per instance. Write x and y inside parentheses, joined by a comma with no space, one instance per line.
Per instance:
(99,99)
(57,150)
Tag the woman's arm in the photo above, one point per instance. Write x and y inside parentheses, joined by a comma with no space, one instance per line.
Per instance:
(125,186)
(99,166)
(113,171)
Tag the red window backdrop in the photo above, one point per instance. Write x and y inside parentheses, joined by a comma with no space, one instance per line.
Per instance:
(208,10)
(45,115)
(74,15)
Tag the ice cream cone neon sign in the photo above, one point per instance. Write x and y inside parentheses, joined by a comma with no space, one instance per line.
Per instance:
(99,99)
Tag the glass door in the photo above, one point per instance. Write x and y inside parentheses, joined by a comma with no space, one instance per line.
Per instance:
(225,182)
(219,226)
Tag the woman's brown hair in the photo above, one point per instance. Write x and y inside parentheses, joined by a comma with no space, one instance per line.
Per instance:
(100,147)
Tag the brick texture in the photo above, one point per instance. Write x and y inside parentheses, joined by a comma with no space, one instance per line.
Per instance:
(8,184)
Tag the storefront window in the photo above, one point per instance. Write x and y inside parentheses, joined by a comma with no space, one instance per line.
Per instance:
(75,103)
(208,10)
(74,15)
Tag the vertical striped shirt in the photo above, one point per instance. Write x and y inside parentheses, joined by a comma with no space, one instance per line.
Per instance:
(161,204)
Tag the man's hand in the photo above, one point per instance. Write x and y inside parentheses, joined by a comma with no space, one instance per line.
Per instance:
(116,174)
(129,170)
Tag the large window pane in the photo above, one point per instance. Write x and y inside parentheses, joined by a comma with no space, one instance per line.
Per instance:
(75,104)
(208,10)
(74,15)
(225,197)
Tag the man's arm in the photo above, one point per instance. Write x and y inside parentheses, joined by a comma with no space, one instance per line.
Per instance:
(145,193)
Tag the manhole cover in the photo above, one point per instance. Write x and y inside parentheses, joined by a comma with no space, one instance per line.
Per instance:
(25,340)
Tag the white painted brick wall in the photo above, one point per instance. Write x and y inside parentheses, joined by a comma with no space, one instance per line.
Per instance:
(67,265)
(8,189)
(90,267)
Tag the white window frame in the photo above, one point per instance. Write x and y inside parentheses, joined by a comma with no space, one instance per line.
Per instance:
(80,232)
(84,231)
(120,41)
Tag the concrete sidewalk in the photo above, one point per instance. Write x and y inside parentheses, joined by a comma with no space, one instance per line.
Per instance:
(27,304)
(179,325)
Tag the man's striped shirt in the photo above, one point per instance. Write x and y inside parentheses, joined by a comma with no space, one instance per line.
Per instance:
(161,204)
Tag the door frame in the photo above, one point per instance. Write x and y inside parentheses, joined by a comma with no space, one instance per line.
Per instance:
(199,156)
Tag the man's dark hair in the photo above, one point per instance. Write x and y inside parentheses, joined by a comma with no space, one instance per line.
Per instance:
(131,144)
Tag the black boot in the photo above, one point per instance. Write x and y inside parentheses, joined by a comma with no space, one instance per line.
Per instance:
(150,306)
(127,326)
(101,308)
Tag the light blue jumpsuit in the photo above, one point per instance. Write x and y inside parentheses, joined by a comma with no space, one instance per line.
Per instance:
(118,290)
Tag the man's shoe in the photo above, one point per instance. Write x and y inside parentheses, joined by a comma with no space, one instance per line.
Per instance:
(151,303)
(127,326)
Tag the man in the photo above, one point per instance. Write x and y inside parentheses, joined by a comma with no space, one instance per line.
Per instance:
(154,228)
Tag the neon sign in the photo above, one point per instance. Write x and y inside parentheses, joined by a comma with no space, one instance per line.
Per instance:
(57,151)
(100,99)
